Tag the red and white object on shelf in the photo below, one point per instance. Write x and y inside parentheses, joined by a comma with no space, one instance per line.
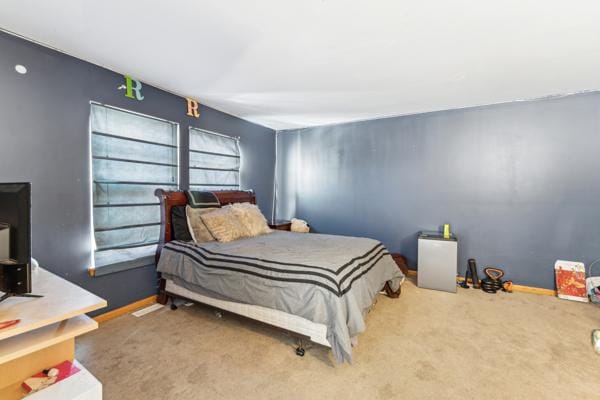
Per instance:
(570,280)
(55,374)
(81,386)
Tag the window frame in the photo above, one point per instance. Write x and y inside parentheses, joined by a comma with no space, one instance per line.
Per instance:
(236,139)
(146,260)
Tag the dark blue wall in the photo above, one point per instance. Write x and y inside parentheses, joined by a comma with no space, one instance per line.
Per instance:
(519,182)
(44,139)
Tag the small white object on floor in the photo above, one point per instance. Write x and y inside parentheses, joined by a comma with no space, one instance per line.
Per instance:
(147,310)
(299,225)
(189,304)
(596,340)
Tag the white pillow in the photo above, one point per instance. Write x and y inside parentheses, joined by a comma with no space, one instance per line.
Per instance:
(251,217)
(299,225)
(197,228)
(224,224)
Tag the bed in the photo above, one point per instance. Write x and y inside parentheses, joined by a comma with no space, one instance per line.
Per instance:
(314,286)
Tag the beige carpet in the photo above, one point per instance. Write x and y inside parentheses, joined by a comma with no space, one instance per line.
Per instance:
(424,345)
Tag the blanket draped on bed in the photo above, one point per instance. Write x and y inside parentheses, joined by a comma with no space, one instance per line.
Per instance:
(327,279)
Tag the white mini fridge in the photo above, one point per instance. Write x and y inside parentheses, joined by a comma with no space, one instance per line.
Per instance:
(437,261)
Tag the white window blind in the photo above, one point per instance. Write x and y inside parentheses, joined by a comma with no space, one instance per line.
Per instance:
(132,155)
(214,161)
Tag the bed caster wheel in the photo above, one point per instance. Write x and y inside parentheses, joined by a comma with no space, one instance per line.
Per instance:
(300,351)
(173,306)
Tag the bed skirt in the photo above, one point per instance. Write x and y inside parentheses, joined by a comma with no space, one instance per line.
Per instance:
(293,323)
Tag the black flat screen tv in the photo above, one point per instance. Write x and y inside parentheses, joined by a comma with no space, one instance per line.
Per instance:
(15,239)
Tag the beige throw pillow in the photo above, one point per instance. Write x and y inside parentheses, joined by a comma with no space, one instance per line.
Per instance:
(198,230)
(250,215)
(224,224)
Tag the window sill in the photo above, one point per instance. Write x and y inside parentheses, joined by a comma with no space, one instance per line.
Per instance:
(121,266)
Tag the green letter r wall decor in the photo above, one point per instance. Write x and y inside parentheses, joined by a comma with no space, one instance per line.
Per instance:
(131,86)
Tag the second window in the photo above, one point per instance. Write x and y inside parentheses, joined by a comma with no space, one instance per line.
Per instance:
(214,161)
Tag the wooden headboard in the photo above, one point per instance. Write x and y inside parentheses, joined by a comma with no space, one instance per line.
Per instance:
(170,199)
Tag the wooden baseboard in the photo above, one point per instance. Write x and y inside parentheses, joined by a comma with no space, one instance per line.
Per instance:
(516,288)
(534,290)
(148,301)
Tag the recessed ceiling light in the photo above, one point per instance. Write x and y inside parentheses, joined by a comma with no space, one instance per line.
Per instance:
(20,69)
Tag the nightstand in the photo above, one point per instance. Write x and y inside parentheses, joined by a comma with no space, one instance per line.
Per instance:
(281,225)
(400,262)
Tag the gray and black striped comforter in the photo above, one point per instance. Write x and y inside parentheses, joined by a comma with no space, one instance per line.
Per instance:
(327,279)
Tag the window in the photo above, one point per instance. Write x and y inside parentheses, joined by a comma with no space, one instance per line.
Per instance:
(214,161)
(132,155)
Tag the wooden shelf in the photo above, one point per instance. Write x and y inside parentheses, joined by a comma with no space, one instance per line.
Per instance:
(46,336)
(62,300)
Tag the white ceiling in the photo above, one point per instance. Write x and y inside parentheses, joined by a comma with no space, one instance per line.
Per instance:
(286,64)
